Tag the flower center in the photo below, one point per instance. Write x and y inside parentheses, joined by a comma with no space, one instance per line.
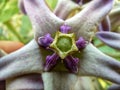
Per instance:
(64,44)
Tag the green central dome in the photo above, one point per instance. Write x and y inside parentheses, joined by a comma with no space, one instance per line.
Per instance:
(64,43)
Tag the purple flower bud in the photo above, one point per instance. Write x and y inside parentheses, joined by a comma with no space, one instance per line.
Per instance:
(65,28)
(45,41)
(51,61)
(71,63)
(81,43)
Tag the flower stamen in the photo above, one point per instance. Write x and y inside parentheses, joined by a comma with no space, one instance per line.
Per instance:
(71,63)
(65,28)
(45,41)
(81,43)
(51,61)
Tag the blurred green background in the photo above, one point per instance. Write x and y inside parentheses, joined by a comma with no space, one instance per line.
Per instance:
(13,24)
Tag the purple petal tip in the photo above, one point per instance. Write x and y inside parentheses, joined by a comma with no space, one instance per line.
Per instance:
(81,43)
(51,61)
(45,41)
(71,63)
(65,28)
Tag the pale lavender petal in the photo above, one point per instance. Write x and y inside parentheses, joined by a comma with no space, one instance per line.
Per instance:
(114,87)
(110,38)
(85,22)
(25,82)
(59,81)
(105,25)
(23,61)
(42,19)
(64,8)
(68,81)
(95,63)
(21,6)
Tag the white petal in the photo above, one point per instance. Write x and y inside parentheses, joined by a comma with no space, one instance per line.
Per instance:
(25,60)
(84,23)
(64,8)
(65,81)
(95,63)
(42,19)
(25,82)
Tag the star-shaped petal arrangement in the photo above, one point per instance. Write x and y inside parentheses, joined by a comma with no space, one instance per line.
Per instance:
(31,58)
(64,44)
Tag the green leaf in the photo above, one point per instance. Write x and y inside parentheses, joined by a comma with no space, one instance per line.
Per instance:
(8,10)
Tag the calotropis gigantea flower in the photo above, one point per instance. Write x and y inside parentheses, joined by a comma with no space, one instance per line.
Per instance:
(46,54)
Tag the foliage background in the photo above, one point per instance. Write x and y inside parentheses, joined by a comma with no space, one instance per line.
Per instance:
(15,26)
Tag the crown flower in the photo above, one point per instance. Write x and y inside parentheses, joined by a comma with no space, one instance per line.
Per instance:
(61,48)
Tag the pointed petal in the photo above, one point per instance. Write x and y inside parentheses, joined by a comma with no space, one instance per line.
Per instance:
(114,87)
(25,82)
(59,81)
(42,19)
(95,63)
(65,81)
(105,25)
(64,8)
(26,60)
(84,23)
(110,38)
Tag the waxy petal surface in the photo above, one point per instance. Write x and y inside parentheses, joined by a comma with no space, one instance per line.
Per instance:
(26,60)
(110,38)
(42,19)
(95,63)
(25,82)
(67,81)
(64,8)
(84,23)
